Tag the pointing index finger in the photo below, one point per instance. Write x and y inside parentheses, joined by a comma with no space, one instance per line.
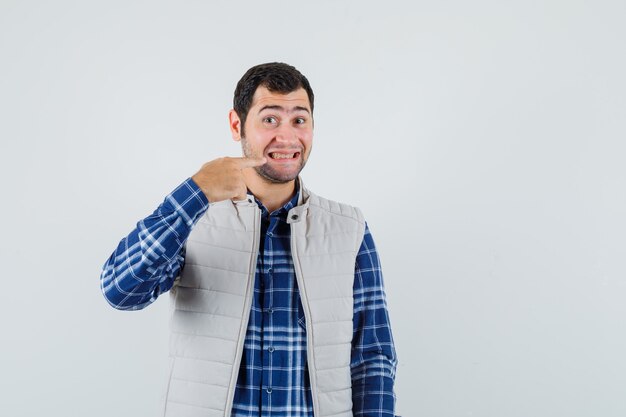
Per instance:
(245,162)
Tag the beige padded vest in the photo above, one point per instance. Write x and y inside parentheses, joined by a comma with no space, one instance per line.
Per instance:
(211,303)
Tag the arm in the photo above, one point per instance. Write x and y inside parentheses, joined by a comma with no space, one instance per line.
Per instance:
(148,260)
(374,359)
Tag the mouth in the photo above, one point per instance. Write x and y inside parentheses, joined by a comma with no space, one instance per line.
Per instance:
(286,156)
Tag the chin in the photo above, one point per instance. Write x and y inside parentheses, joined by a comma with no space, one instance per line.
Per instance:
(276,177)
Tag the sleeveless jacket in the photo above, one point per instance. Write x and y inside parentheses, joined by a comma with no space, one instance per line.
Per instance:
(212,298)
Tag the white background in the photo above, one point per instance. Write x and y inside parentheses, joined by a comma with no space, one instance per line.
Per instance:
(483,140)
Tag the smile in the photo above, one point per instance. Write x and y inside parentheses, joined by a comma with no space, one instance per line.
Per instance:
(278,155)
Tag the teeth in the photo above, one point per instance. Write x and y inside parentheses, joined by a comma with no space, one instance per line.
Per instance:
(277,155)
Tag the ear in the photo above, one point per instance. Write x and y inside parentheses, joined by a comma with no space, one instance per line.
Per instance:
(235,125)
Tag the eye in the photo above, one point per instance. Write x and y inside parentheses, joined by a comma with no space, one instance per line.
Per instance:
(270,119)
(300,121)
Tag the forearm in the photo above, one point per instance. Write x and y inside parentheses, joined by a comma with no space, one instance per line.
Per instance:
(148,260)
(374,360)
(373,386)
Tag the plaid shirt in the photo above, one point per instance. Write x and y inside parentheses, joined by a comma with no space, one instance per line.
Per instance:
(273,377)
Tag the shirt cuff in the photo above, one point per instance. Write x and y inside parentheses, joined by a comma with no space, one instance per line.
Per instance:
(189,201)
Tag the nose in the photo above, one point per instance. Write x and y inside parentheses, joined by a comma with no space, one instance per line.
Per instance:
(286,134)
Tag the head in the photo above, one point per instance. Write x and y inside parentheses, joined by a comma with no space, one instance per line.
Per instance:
(277,77)
(272,116)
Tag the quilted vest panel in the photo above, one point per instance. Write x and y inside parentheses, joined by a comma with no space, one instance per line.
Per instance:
(212,298)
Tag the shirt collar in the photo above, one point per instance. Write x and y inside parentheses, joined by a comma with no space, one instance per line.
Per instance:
(282,212)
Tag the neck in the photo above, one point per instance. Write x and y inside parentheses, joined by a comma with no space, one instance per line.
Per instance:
(272,195)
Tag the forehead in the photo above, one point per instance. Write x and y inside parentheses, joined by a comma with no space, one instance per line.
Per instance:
(264,97)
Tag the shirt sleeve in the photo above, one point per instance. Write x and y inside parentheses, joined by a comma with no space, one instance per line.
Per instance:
(374,361)
(148,260)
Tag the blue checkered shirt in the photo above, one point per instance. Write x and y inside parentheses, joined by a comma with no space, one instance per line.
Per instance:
(273,376)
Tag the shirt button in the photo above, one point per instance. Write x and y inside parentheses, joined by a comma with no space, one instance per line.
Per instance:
(270,234)
(270,270)
(271,349)
(269,390)
(270,310)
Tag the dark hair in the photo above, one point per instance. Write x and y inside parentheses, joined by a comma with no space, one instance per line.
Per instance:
(276,77)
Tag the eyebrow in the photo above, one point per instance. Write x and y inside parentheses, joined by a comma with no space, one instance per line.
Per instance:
(281,108)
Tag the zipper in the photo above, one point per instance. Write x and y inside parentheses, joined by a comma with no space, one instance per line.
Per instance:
(246,311)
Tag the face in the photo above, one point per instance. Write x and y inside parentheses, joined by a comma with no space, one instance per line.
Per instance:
(279,127)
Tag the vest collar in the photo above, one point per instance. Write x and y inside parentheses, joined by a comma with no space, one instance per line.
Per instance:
(296,214)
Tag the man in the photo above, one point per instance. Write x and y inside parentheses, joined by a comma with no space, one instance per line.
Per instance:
(277,294)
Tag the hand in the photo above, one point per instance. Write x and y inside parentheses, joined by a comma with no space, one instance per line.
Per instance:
(222,179)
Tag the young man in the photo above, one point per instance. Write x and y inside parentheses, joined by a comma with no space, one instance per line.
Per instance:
(277,294)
